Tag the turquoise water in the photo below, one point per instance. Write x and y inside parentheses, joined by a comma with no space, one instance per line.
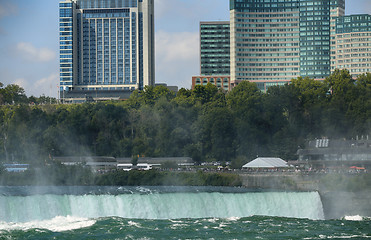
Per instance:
(209,228)
(169,213)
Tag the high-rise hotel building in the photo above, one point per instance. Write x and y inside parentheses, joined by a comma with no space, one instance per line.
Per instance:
(215,48)
(274,41)
(106,45)
(352,44)
(214,55)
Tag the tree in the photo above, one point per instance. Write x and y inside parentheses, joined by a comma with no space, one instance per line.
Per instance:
(134,160)
(359,111)
(246,103)
(342,92)
(204,94)
(6,116)
(245,100)
(341,86)
(12,94)
(218,134)
(310,97)
(150,95)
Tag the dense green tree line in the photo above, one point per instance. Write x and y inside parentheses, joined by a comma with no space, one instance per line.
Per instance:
(205,123)
(14,94)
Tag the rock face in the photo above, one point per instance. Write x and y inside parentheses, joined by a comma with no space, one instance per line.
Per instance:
(336,204)
(280,182)
(340,204)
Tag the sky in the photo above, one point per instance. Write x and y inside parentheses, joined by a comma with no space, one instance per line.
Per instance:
(29,40)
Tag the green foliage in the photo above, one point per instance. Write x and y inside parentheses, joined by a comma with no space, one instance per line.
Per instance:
(205,123)
(246,103)
(239,161)
(52,174)
(217,134)
(169,165)
(13,94)
(134,160)
(204,94)
(149,96)
(156,178)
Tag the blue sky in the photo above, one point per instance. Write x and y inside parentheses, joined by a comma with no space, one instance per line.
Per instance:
(29,44)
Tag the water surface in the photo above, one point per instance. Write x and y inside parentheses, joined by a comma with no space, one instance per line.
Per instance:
(169,213)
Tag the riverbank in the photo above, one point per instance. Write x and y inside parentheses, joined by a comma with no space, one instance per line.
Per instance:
(307,182)
(341,194)
(60,175)
(168,178)
(79,176)
(339,204)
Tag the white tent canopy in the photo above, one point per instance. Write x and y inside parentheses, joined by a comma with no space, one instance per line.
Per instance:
(266,163)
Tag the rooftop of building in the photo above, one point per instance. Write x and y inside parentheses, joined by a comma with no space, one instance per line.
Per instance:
(214,22)
(339,146)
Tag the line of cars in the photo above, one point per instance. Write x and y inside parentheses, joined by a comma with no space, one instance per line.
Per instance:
(129,166)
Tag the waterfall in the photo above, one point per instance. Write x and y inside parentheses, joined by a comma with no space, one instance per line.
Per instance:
(162,205)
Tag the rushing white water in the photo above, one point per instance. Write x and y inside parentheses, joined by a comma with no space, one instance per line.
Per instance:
(57,224)
(353,218)
(161,206)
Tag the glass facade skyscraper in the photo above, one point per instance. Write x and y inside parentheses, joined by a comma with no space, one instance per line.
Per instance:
(273,41)
(214,55)
(352,45)
(215,48)
(106,44)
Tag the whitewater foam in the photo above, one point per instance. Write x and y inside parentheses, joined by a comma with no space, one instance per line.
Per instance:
(57,224)
(233,219)
(162,206)
(338,237)
(353,218)
(134,224)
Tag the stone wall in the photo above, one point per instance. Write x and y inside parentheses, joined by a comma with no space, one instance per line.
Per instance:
(336,204)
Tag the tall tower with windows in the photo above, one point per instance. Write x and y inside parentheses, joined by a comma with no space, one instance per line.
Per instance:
(352,44)
(273,41)
(215,48)
(214,55)
(106,46)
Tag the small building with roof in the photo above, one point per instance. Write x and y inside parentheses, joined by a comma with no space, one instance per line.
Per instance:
(264,163)
(180,161)
(97,164)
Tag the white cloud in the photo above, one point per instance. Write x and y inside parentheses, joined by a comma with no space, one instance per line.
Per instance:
(177,57)
(30,53)
(177,46)
(21,82)
(46,85)
(177,37)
